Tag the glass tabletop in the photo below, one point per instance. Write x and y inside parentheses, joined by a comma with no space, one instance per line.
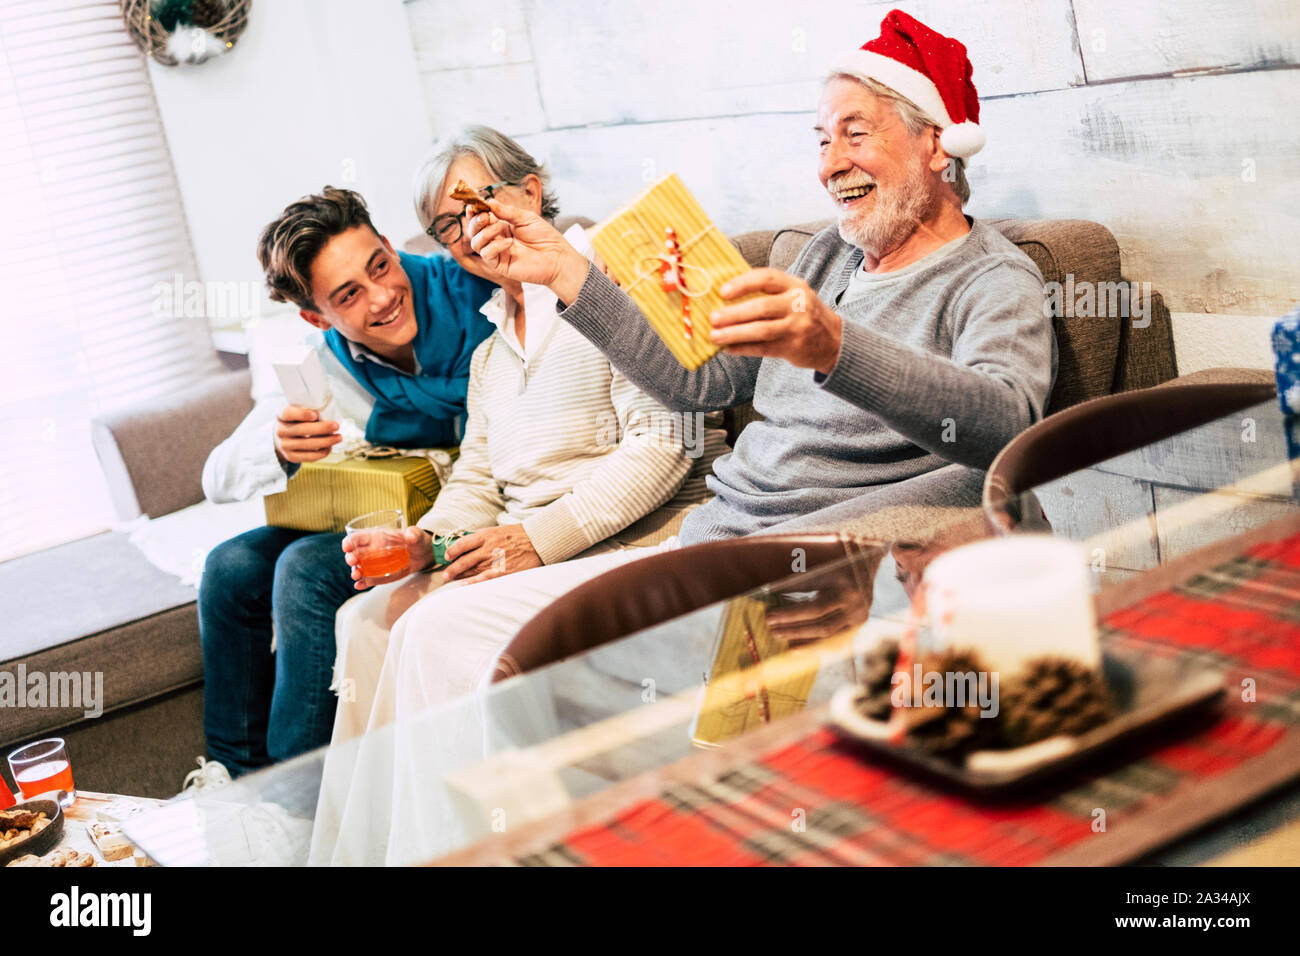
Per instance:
(1147,507)
(530,746)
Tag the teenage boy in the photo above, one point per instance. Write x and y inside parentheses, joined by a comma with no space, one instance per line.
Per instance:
(396,332)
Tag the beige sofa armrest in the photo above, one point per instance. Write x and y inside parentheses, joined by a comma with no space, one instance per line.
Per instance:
(153,454)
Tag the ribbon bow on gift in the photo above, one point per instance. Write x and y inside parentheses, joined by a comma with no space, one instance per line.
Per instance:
(672,274)
(373,452)
(354,447)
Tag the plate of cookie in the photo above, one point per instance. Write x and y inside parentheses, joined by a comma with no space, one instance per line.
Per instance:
(29,828)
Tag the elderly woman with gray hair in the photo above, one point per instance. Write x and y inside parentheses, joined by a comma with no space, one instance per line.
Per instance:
(562,456)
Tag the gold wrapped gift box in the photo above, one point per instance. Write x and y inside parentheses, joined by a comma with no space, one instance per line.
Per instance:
(326,495)
(632,243)
(756,677)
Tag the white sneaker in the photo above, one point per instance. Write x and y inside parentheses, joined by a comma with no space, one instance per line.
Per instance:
(209,776)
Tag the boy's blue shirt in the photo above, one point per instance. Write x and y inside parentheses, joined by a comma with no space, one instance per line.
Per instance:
(427,409)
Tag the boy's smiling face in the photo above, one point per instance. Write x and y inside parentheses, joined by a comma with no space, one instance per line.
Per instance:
(361,290)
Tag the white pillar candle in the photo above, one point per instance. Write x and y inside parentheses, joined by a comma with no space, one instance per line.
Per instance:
(1013,599)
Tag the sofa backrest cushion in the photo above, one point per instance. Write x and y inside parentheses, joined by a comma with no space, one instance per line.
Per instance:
(153,454)
(1077,255)
(1146,351)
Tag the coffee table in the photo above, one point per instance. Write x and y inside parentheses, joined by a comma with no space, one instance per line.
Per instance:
(78,817)
(623,717)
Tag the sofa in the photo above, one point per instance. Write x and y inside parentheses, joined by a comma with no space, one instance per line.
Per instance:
(103,607)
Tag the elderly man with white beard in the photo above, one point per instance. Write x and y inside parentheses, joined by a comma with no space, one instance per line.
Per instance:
(900,353)
(904,348)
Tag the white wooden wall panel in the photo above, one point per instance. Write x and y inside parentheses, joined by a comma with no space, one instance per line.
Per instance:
(503,97)
(749,172)
(1208,218)
(1237,516)
(1015,46)
(467,34)
(1204,340)
(1192,173)
(1108,512)
(672,60)
(1120,39)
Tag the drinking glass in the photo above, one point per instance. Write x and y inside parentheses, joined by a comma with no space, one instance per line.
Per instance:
(379,544)
(41,767)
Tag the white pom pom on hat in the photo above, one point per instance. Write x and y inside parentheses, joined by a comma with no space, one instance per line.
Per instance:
(962,140)
(929,69)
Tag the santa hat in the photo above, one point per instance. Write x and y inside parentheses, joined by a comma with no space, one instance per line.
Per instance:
(929,69)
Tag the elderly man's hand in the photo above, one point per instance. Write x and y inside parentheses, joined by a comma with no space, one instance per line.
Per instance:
(490,553)
(833,608)
(526,248)
(786,321)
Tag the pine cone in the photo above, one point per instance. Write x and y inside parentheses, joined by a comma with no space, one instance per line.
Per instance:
(1053,696)
(207,13)
(877,681)
(949,730)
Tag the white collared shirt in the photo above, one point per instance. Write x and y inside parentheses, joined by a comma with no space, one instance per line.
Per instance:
(361,353)
(539,307)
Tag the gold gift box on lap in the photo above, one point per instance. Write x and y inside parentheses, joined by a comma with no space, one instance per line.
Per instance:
(326,495)
(633,244)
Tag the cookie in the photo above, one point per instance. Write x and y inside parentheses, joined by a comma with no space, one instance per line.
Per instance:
(469,196)
(111,842)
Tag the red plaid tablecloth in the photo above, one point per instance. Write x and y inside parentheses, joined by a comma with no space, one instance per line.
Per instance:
(819,801)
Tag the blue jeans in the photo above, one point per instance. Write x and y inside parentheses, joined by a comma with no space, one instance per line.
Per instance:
(259,706)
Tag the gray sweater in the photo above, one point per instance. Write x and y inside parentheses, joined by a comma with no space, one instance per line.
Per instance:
(945,361)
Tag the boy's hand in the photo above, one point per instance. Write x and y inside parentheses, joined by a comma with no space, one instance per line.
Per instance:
(418,545)
(300,436)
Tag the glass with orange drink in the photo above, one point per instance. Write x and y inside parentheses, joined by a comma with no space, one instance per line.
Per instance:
(379,543)
(41,767)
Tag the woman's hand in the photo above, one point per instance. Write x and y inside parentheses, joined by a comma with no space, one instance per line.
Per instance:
(419,545)
(490,553)
(525,247)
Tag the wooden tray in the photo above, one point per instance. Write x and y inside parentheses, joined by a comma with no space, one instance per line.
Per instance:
(1149,694)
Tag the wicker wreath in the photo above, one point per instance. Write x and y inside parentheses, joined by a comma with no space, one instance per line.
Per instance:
(224,19)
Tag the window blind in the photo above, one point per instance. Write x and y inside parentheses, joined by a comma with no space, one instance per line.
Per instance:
(92,222)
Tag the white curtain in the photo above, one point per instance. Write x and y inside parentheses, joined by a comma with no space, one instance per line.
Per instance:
(90,226)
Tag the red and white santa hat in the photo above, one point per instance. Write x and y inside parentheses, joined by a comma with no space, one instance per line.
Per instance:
(931,70)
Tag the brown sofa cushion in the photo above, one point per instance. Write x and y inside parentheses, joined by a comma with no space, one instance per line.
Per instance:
(789,242)
(103,608)
(1088,344)
(155,452)
(1146,356)
(1228,376)
(756,247)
